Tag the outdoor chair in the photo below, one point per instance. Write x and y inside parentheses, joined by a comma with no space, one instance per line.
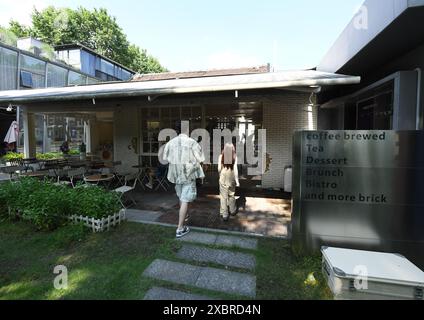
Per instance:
(13,171)
(123,191)
(21,164)
(161,179)
(73,175)
(114,171)
(28,164)
(15,162)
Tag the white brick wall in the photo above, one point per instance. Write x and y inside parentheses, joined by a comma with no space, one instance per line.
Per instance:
(281,118)
(126,127)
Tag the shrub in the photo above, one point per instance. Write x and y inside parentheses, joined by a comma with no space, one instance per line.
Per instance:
(3,205)
(8,191)
(74,152)
(49,156)
(94,202)
(40,156)
(47,205)
(12,156)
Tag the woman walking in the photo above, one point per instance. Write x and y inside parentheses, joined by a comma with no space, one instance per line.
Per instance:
(228,180)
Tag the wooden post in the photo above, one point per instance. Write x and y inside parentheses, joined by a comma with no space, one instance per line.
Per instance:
(29,134)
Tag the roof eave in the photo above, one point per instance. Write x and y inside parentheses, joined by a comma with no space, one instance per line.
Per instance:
(125,92)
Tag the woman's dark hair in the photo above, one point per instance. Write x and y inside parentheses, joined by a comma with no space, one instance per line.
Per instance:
(228,152)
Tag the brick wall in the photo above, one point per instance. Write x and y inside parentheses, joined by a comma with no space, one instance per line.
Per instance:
(281,118)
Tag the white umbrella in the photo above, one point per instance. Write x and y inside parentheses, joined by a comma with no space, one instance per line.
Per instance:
(13,133)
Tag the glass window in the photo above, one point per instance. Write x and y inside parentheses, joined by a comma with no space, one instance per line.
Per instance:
(8,69)
(74,58)
(26,79)
(154,119)
(92,81)
(105,66)
(88,63)
(76,78)
(56,76)
(36,67)
(32,64)
(126,75)
(374,110)
(60,128)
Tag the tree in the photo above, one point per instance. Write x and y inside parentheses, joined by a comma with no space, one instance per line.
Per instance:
(138,57)
(95,29)
(19,30)
(8,37)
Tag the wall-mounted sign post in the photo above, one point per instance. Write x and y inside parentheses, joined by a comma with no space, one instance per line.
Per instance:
(359,189)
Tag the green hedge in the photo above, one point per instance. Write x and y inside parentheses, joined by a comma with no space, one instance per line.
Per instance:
(47,205)
(40,156)
(12,156)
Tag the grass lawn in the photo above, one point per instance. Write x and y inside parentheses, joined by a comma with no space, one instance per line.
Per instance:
(110,265)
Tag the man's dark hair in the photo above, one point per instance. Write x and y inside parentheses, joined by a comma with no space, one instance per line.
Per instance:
(178,127)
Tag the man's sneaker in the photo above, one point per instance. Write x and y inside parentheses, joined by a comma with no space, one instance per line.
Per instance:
(148,185)
(183,232)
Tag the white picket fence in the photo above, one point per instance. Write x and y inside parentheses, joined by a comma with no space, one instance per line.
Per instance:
(100,225)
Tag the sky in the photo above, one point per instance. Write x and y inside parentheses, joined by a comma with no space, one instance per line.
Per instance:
(187,35)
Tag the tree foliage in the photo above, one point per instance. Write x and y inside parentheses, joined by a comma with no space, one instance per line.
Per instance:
(95,29)
(7,37)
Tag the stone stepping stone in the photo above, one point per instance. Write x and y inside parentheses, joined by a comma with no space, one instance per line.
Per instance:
(142,215)
(227,281)
(222,257)
(220,240)
(157,293)
(199,237)
(206,278)
(173,272)
(231,241)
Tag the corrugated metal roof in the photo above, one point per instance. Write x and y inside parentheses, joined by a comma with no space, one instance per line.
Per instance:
(284,79)
(199,74)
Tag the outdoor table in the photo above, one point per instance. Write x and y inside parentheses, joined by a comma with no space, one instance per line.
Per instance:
(79,164)
(36,174)
(97,164)
(100,178)
(58,167)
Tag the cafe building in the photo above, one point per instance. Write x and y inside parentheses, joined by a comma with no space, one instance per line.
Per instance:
(128,116)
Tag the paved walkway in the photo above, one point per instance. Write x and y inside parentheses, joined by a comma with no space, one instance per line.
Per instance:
(257,215)
(204,264)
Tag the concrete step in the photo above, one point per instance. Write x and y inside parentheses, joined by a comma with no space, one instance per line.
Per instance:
(203,277)
(222,257)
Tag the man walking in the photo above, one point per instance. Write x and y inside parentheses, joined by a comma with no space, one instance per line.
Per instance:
(184,156)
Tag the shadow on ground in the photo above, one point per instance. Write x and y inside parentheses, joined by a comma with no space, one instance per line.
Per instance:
(260,212)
